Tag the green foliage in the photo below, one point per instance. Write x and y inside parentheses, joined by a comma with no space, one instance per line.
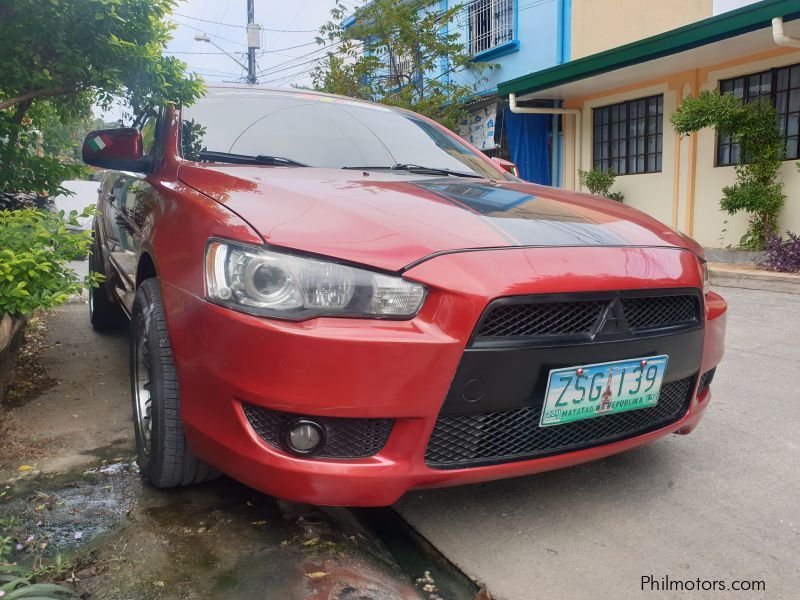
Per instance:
(17,587)
(58,58)
(754,126)
(26,167)
(6,544)
(35,248)
(192,139)
(599,183)
(393,54)
(71,50)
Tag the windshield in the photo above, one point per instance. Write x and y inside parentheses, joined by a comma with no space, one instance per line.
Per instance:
(320,131)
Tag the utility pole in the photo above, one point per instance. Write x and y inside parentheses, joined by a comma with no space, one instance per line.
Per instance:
(253,42)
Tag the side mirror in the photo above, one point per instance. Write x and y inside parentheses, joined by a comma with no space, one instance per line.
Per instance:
(115,149)
(506,165)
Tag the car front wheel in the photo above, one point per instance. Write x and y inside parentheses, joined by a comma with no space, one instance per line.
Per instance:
(164,455)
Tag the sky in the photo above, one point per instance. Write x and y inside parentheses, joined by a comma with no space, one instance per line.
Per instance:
(721,6)
(288,46)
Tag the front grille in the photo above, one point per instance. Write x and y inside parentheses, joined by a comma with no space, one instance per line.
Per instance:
(659,311)
(468,440)
(345,438)
(545,318)
(534,316)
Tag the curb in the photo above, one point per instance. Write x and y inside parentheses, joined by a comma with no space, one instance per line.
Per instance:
(751,279)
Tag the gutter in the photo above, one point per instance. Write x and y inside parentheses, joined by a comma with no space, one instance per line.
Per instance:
(523,110)
(780,38)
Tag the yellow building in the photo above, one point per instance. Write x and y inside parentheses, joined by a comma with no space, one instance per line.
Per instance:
(616,105)
(598,25)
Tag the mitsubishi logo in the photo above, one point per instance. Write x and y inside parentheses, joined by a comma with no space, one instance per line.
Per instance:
(613,318)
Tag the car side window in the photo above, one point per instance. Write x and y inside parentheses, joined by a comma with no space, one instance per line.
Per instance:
(148,129)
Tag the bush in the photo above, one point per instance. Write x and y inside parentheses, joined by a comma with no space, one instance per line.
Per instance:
(783,255)
(35,249)
(599,183)
(754,126)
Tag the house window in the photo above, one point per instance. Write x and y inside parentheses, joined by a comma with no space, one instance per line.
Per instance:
(402,70)
(782,87)
(628,136)
(491,23)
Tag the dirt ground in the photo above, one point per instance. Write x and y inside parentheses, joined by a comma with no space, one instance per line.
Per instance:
(72,499)
(84,416)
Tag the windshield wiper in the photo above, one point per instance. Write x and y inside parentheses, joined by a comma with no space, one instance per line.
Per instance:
(246,159)
(419,169)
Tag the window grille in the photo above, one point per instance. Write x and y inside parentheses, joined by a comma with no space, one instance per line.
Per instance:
(782,87)
(628,137)
(491,23)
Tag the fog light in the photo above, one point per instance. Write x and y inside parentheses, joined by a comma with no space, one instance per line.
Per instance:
(303,436)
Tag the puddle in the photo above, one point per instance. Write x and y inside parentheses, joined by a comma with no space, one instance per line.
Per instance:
(57,514)
(217,540)
(433,573)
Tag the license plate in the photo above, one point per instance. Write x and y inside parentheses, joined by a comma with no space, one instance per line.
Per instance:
(588,391)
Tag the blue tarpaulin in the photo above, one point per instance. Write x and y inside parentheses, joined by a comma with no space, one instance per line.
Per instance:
(527,144)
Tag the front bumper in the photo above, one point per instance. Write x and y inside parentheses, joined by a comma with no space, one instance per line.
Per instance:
(399,370)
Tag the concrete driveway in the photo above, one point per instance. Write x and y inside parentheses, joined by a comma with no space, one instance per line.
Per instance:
(722,504)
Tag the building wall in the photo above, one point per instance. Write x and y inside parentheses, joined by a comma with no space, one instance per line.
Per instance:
(649,192)
(540,30)
(598,25)
(709,221)
(686,193)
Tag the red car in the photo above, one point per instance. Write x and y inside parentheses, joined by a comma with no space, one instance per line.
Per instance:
(336,302)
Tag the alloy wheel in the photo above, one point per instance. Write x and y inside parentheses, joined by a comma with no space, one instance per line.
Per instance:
(143,401)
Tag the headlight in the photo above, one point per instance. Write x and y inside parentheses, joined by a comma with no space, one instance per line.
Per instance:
(287,286)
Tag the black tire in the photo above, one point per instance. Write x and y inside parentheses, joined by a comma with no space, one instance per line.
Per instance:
(104,314)
(164,455)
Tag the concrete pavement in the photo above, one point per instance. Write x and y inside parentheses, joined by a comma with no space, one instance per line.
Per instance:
(720,504)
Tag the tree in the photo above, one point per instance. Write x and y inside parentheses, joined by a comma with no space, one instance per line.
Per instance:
(398,52)
(58,58)
(69,54)
(754,126)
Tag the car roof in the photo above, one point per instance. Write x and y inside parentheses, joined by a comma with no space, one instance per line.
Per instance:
(233,89)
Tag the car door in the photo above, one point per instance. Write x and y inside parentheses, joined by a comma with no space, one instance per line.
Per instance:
(130,201)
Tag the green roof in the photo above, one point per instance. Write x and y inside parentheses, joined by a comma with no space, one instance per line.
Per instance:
(720,27)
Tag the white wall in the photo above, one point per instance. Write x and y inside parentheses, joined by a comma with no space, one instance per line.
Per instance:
(649,192)
(656,193)
(709,219)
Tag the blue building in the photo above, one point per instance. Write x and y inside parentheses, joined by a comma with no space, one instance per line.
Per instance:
(517,37)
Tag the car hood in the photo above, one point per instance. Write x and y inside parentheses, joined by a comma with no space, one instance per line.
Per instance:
(390,220)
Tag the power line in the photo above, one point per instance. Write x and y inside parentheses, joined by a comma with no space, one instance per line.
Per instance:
(285,65)
(291,47)
(280,67)
(207,33)
(216,30)
(276,68)
(203,53)
(245,26)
